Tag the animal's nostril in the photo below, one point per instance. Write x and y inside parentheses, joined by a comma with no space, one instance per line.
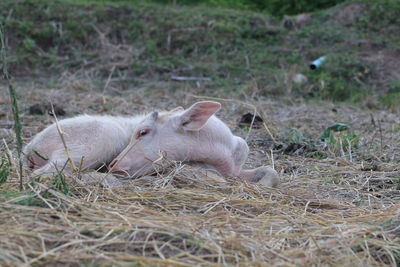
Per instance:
(116,170)
(31,164)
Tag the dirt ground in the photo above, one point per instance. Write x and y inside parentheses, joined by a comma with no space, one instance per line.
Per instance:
(334,207)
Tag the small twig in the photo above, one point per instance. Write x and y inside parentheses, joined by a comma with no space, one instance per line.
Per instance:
(61,133)
(169,41)
(52,251)
(341,147)
(108,82)
(180,78)
(272,160)
(214,205)
(350,152)
(122,157)
(381,135)
(247,60)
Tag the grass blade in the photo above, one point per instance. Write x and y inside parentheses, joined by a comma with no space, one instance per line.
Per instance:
(14,103)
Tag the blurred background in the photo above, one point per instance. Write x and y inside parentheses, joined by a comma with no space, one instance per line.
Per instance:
(251,49)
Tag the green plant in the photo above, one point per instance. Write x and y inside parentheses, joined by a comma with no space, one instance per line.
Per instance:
(383,12)
(275,7)
(392,98)
(338,139)
(341,78)
(60,184)
(337,127)
(232,47)
(345,143)
(14,103)
(291,7)
(29,45)
(296,137)
(31,199)
(4,170)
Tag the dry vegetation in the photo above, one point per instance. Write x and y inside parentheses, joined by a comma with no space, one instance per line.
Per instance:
(335,210)
(338,203)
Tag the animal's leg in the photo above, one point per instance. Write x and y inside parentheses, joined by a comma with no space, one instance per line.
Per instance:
(49,169)
(239,155)
(262,175)
(57,162)
(105,179)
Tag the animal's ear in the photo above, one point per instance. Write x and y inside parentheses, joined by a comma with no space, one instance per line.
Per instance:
(153,116)
(195,117)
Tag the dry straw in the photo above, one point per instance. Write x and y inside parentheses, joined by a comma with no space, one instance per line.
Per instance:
(182,217)
(337,211)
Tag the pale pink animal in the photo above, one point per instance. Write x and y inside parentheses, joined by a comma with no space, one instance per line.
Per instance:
(193,135)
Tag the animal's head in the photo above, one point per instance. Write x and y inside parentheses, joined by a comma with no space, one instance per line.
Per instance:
(169,132)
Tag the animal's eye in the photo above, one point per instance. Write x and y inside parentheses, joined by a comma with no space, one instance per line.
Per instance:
(142,132)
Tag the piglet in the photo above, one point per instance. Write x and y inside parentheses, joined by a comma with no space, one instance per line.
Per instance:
(194,135)
(129,146)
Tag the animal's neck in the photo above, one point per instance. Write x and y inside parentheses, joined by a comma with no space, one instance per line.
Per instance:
(216,156)
(212,146)
(130,123)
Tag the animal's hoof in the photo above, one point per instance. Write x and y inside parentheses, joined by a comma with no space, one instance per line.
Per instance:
(266,176)
(105,179)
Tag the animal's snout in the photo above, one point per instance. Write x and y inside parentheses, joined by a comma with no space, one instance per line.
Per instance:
(116,169)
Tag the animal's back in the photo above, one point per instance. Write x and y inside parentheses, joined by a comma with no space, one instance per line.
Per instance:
(95,139)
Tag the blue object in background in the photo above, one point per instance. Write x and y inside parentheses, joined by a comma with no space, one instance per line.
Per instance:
(317,63)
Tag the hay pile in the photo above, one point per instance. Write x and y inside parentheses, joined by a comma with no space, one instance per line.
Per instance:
(180,219)
(336,210)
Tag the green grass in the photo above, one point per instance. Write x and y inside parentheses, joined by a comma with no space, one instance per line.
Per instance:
(234,48)
(279,8)
(392,98)
(15,110)
(4,170)
(24,199)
